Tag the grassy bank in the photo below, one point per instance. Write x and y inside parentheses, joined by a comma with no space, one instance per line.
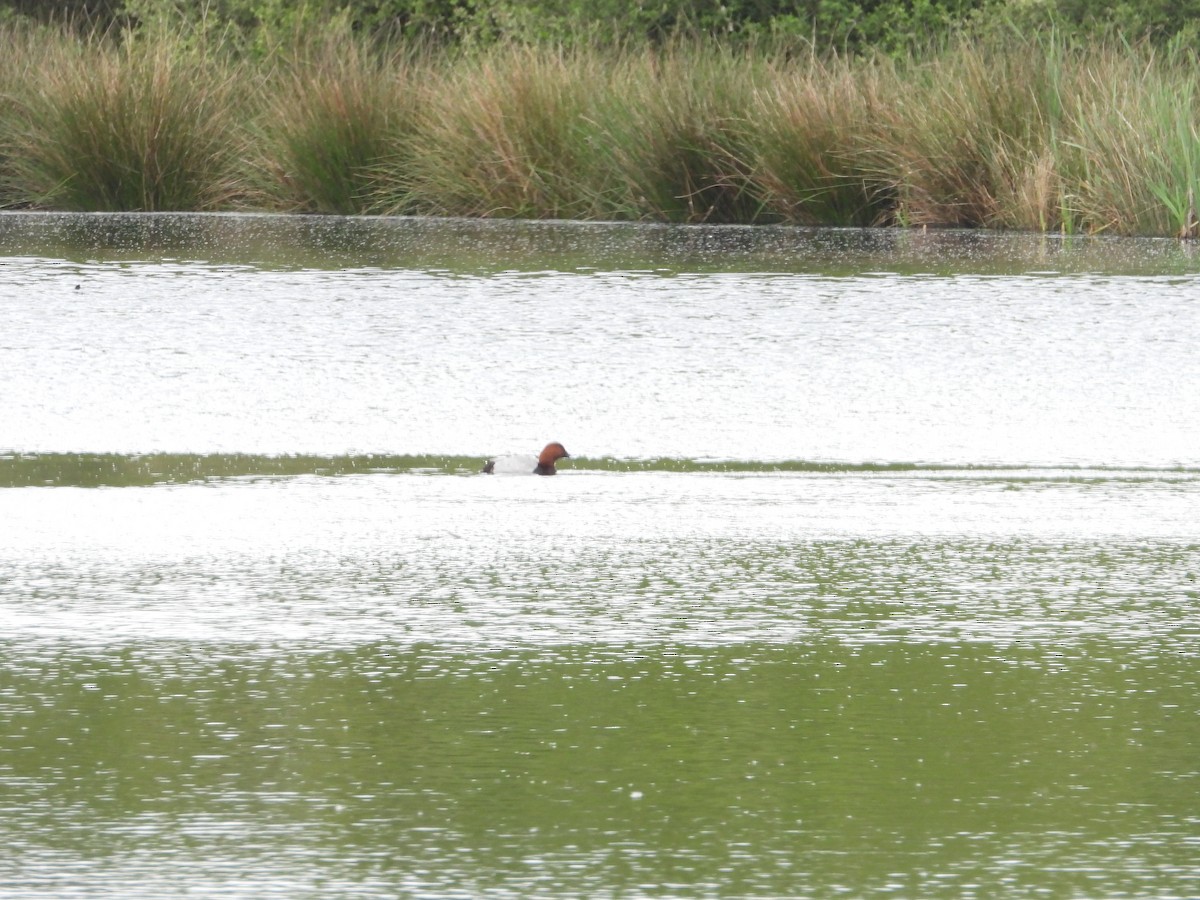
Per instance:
(1020,133)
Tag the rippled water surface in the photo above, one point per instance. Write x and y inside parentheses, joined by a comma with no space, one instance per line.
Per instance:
(874,571)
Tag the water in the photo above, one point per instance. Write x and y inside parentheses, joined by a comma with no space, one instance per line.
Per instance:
(224,355)
(873,572)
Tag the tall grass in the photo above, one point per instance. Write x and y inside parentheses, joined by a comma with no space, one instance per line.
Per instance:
(336,123)
(804,137)
(965,139)
(1024,133)
(506,132)
(133,125)
(666,135)
(1137,142)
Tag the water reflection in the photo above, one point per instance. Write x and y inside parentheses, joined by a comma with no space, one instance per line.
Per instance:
(141,469)
(755,770)
(492,246)
(484,562)
(876,572)
(888,369)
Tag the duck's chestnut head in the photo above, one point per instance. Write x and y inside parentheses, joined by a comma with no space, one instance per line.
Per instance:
(550,454)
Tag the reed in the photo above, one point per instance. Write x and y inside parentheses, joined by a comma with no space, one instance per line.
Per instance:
(338,117)
(509,131)
(1134,124)
(667,138)
(1022,133)
(13,73)
(148,124)
(804,138)
(967,139)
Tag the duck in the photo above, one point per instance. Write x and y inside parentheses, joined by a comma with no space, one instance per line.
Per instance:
(528,465)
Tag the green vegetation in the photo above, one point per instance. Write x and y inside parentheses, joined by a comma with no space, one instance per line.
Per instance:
(335,108)
(140,125)
(888,25)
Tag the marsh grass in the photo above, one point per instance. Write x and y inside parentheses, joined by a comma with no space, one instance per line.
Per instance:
(510,132)
(146,124)
(1137,145)
(667,135)
(338,117)
(13,74)
(965,139)
(803,139)
(1024,133)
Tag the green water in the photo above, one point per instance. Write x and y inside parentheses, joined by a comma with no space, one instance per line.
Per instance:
(651,683)
(874,570)
(955,769)
(128,470)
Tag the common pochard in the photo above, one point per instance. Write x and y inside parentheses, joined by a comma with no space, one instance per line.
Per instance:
(527,465)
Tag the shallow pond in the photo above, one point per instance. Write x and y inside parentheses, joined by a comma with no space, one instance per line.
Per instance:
(873,571)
